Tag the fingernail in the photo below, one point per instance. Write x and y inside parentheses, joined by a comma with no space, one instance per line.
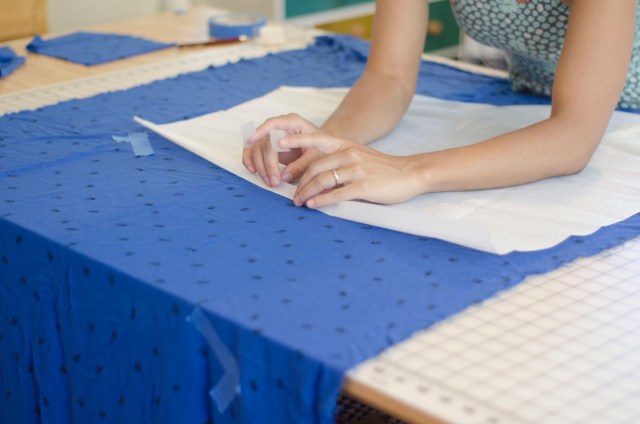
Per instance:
(296,200)
(284,142)
(287,178)
(274,181)
(311,203)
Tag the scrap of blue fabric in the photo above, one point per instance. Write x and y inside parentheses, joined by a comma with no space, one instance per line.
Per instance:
(106,257)
(9,61)
(94,48)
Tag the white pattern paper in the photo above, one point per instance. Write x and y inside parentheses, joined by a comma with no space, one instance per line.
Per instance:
(525,218)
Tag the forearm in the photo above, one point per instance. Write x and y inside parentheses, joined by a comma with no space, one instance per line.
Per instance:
(550,148)
(362,117)
(588,82)
(590,76)
(381,96)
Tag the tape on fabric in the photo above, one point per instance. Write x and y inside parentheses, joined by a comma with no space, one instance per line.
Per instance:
(139,143)
(234,25)
(229,384)
(247,130)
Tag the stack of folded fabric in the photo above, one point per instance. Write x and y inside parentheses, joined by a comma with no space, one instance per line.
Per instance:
(9,61)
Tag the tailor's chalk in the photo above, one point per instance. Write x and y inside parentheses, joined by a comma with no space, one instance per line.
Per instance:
(275,136)
(229,384)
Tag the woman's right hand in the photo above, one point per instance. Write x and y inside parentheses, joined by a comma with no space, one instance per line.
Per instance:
(260,157)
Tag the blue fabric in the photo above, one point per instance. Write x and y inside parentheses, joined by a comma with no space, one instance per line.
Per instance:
(104,255)
(9,61)
(92,48)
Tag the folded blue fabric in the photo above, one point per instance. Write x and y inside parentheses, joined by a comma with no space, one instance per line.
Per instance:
(91,48)
(9,61)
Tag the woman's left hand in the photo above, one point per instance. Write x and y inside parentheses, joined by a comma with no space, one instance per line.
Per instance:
(353,172)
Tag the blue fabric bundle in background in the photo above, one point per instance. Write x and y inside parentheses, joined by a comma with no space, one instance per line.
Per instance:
(9,61)
(106,258)
(92,48)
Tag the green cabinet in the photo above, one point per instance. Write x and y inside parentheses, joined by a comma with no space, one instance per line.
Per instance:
(443,34)
(351,16)
(443,31)
(294,8)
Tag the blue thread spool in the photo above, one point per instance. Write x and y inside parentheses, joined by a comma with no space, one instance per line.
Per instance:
(234,25)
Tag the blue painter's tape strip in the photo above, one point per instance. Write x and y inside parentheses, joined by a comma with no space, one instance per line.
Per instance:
(234,25)
(229,384)
(139,143)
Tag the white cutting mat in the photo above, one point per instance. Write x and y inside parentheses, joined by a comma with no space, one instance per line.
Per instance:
(563,347)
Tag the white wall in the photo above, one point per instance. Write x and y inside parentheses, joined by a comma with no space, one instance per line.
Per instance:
(72,14)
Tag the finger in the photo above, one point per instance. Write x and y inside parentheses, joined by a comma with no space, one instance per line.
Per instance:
(316,185)
(347,192)
(322,183)
(270,158)
(247,159)
(325,164)
(297,168)
(291,123)
(289,156)
(319,141)
(258,162)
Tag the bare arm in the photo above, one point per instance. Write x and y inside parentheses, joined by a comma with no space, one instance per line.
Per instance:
(379,99)
(373,106)
(590,76)
(588,83)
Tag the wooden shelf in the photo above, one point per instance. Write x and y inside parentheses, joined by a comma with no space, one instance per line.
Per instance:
(22,18)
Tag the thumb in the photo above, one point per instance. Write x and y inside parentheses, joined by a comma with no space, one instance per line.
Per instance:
(297,168)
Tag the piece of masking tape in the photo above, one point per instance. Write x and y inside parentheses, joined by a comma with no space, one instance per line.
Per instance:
(275,136)
(248,130)
(139,143)
(228,387)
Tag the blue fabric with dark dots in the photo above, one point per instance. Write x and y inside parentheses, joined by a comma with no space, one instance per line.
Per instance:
(93,48)
(104,255)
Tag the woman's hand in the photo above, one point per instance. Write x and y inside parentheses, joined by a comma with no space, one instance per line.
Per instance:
(352,172)
(261,158)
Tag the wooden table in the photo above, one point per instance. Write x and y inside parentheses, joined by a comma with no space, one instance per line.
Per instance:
(40,70)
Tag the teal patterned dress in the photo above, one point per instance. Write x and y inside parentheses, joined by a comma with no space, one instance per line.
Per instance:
(532,32)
